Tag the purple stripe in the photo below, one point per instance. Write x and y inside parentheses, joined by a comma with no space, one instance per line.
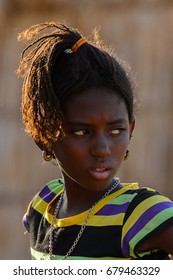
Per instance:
(113,209)
(46,194)
(26,222)
(141,222)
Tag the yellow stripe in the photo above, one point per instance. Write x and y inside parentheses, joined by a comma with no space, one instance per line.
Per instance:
(43,207)
(109,198)
(106,220)
(141,208)
(79,219)
(29,206)
(39,205)
(131,185)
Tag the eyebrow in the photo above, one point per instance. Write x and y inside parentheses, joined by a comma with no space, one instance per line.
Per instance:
(118,121)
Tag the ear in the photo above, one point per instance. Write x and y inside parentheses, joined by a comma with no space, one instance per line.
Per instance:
(132,126)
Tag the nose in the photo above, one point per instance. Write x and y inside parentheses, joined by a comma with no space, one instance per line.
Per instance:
(100,146)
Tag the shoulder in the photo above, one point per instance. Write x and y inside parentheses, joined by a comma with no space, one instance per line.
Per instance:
(136,193)
(41,200)
(148,214)
(48,192)
(150,209)
(132,194)
(146,204)
(142,193)
(147,199)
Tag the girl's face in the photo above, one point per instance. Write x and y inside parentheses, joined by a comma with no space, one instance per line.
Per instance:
(97,133)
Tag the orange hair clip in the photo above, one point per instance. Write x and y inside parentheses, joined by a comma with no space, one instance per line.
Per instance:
(78,44)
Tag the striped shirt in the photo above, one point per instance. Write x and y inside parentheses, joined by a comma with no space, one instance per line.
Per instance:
(119,224)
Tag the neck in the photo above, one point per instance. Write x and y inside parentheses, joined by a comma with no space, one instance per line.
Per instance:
(77,199)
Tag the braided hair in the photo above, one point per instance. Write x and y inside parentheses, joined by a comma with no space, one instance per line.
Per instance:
(53,73)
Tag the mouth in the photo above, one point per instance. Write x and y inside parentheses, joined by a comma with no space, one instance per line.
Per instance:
(100,173)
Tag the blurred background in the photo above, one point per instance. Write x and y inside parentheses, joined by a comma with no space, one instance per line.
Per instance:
(141,32)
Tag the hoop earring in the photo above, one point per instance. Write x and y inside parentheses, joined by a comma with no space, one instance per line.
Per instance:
(127,155)
(47,157)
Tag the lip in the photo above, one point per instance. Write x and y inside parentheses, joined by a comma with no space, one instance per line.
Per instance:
(100,172)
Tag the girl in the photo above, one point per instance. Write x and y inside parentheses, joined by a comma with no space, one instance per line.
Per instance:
(78,106)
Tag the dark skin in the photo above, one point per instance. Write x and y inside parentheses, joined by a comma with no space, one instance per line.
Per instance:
(163,241)
(97,134)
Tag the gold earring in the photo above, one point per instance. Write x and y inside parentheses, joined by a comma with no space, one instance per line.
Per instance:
(127,155)
(47,157)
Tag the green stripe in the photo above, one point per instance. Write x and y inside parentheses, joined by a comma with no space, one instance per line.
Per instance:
(149,227)
(141,208)
(123,199)
(44,256)
(55,186)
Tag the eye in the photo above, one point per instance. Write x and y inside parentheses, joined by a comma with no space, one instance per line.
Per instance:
(116,131)
(80,132)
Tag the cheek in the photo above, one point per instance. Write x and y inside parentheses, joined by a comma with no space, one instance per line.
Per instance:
(119,148)
(66,151)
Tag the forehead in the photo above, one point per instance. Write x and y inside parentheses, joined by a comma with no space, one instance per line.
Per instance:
(94,103)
